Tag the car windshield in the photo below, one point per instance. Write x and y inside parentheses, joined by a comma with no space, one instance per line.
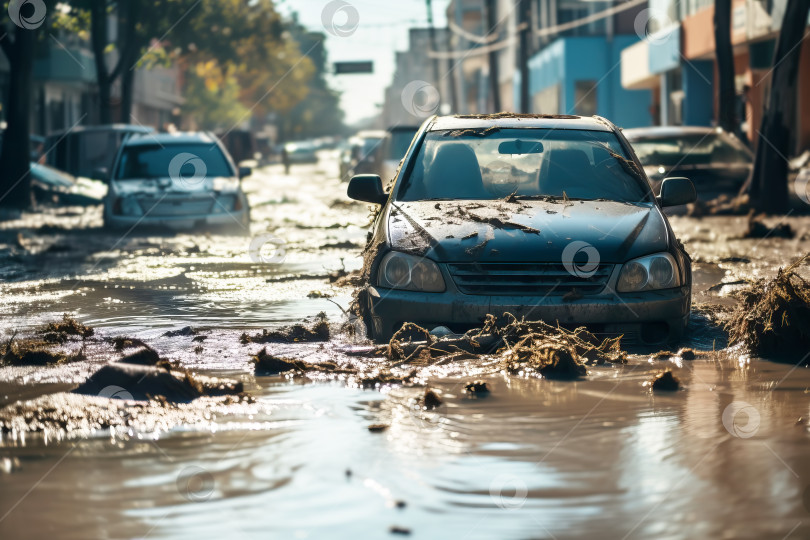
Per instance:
(529,163)
(153,160)
(399,143)
(691,149)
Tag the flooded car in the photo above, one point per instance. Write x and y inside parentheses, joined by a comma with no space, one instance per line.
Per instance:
(715,160)
(178,180)
(52,186)
(84,150)
(542,217)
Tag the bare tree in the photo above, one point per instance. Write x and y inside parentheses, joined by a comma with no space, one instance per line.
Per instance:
(727,113)
(768,186)
(18,46)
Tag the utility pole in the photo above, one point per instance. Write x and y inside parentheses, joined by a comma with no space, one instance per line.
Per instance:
(524,11)
(432,37)
(494,82)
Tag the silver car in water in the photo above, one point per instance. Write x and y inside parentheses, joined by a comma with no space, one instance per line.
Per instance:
(177,180)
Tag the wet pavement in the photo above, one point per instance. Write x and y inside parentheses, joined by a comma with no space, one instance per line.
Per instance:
(604,456)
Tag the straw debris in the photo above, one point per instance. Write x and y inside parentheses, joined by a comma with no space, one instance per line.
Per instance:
(773,317)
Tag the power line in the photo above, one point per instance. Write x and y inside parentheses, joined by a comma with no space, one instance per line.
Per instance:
(539,32)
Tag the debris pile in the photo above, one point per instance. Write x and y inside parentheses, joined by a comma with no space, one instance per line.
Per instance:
(297,333)
(268,364)
(665,382)
(773,317)
(758,229)
(552,351)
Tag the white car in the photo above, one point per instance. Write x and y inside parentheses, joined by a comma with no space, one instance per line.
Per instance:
(176,180)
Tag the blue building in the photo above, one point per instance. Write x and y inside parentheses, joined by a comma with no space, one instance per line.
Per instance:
(582,75)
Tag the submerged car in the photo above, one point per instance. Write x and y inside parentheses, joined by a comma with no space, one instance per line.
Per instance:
(177,180)
(83,150)
(546,218)
(715,160)
(52,186)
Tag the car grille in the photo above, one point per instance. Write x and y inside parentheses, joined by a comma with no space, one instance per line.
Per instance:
(525,279)
(175,207)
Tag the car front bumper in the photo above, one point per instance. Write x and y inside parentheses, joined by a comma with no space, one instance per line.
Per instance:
(227,219)
(645,318)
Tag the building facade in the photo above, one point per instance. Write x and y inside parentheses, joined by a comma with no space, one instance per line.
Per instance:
(676,61)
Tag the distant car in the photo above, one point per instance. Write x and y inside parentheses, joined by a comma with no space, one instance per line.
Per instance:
(543,218)
(716,161)
(52,186)
(83,150)
(393,149)
(301,153)
(178,180)
(368,152)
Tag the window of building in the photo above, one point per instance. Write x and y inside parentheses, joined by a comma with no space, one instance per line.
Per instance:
(585,97)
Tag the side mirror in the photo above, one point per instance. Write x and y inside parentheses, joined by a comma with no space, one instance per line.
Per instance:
(676,191)
(244,172)
(367,188)
(101,173)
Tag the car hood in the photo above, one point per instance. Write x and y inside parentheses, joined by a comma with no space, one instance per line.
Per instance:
(157,186)
(525,231)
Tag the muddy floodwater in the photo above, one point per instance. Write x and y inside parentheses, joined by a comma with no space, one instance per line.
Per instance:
(725,456)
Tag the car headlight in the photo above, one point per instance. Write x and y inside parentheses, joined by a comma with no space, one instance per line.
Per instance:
(402,271)
(224,203)
(654,272)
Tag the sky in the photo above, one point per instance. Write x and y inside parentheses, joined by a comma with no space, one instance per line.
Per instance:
(381,29)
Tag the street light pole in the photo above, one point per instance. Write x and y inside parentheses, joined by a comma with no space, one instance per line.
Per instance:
(524,7)
(492,22)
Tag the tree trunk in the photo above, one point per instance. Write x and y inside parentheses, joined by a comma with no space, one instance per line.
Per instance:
(15,156)
(129,46)
(727,112)
(98,37)
(769,183)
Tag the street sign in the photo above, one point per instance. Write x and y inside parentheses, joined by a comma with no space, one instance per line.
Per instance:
(350,68)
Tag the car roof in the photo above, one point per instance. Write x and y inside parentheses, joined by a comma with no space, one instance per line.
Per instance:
(104,127)
(179,137)
(510,120)
(371,134)
(668,131)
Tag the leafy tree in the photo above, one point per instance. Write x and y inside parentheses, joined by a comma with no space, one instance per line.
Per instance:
(213,97)
(319,113)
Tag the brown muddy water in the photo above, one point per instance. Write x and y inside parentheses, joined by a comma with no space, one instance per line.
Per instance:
(726,456)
